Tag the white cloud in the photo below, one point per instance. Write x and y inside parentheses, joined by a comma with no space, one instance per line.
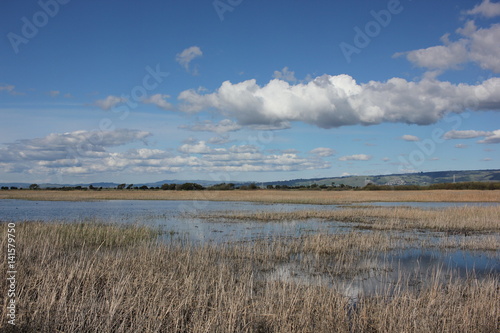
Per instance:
(334,101)
(461,146)
(358,157)
(186,56)
(489,137)
(11,89)
(486,8)
(468,134)
(223,126)
(71,152)
(219,140)
(439,57)
(285,74)
(82,153)
(408,137)
(493,137)
(109,102)
(196,148)
(54,93)
(323,152)
(484,48)
(477,45)
(160,101)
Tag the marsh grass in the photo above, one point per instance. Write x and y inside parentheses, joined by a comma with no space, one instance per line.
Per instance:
(455,219)
(470,243)
(270,196)
(70,280)
(91,234)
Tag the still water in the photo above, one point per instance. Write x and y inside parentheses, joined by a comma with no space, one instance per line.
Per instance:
(177,219)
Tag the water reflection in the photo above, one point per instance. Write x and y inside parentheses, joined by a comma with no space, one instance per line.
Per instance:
(413,268)
(374,273)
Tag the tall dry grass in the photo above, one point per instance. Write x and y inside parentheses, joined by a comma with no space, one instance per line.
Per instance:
(271,196)
(72,283)
(453,219)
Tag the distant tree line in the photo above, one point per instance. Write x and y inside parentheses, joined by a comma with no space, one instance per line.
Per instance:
(253,186)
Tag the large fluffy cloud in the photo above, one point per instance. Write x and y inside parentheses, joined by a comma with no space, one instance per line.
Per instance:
(333,101)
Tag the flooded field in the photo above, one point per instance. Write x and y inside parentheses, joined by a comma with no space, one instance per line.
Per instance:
(358,256)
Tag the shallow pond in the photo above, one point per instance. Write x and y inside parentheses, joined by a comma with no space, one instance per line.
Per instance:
(177,220)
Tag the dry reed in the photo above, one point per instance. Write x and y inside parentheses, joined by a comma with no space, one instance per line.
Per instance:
(453,219)
(271,196)
(141,286)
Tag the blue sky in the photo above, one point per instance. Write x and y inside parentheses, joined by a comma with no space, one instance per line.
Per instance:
(236,90)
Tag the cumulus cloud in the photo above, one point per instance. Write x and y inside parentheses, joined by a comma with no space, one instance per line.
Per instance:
(160,101)
(109,102)
(285,74)
(186,56)
(223,126)
(358,157)
(334,101)
(486,8)
(408,137)
(323,152)
(477,45)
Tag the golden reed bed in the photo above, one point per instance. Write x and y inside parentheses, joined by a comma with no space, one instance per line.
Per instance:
(268,196)
(92,278)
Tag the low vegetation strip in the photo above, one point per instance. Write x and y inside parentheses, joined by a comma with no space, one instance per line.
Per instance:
(456,219)
(69,282)
(270,196)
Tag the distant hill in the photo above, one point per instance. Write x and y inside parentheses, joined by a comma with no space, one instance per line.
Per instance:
(421,178)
